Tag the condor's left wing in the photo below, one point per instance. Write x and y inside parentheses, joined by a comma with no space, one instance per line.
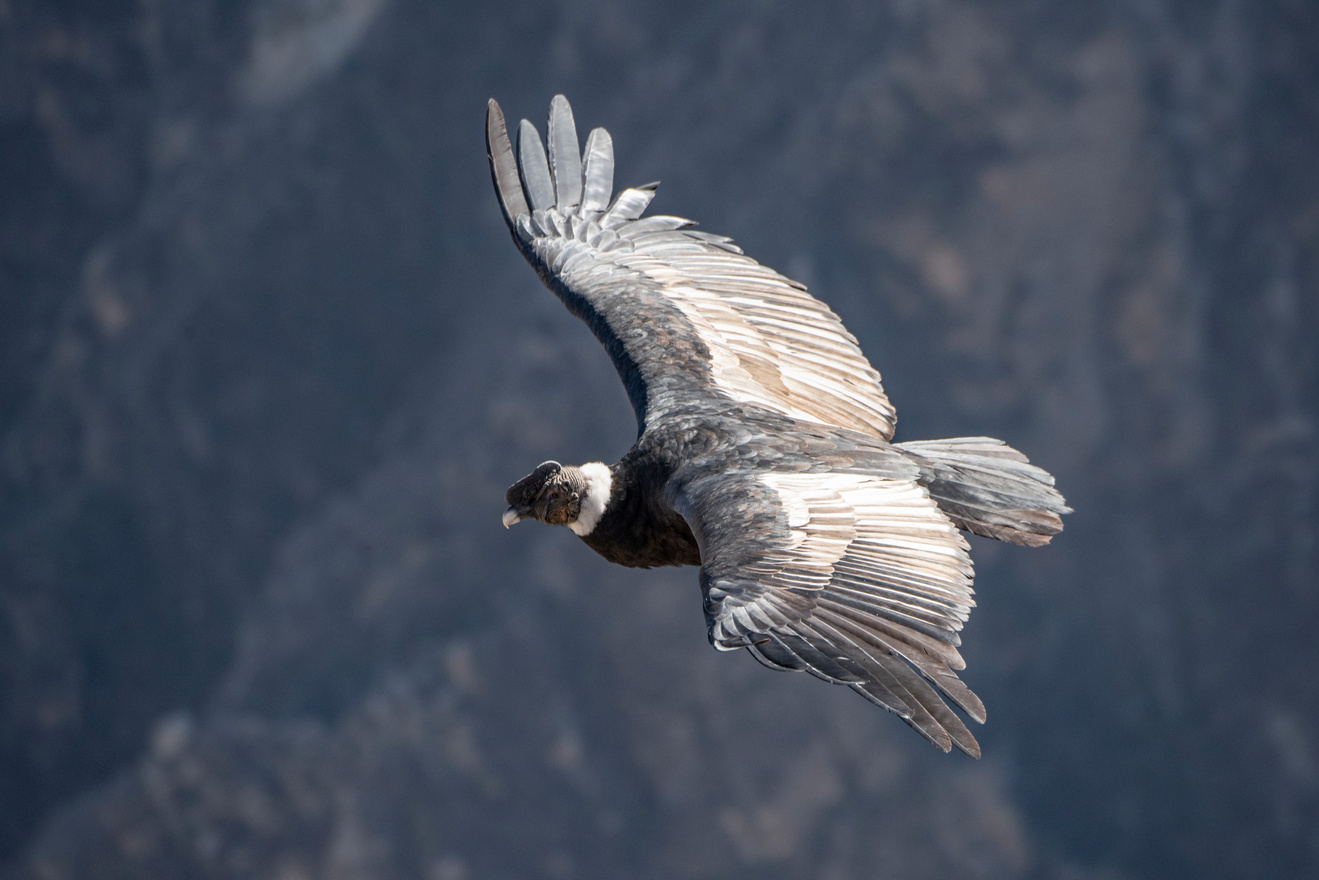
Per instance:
(691,323)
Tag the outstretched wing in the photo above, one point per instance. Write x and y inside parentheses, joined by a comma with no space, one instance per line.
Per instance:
(854,577)
(690,322)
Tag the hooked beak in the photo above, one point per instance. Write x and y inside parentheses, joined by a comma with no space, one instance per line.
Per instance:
(513,515)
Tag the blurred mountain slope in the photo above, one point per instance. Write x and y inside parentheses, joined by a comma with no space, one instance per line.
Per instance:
(268,360)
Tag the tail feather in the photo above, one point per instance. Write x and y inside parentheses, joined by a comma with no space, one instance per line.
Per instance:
(988,488)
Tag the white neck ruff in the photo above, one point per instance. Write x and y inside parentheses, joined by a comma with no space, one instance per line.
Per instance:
(598,483)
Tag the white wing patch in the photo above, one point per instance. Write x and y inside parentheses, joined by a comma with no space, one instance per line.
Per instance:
(881,542)
(771,343)
(860,580)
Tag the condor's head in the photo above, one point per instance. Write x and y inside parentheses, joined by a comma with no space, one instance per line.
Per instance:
(575,497)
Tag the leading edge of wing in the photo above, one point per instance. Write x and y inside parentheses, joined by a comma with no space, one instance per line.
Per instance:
(687,318)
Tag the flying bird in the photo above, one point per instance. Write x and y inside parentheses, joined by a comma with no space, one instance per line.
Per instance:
(764,451)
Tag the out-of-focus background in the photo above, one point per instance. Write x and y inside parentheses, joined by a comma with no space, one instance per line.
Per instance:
(268,360)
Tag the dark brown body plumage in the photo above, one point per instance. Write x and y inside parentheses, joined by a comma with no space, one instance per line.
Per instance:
(638,528)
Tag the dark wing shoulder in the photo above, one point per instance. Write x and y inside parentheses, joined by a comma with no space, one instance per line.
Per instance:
(688,319)
(853,575)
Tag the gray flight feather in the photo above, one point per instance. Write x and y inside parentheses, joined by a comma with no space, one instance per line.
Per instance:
(503,165)
(598,170)
(535,168)
(629,204)
(565,160)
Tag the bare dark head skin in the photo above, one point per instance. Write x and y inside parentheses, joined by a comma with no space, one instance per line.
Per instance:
(550,494)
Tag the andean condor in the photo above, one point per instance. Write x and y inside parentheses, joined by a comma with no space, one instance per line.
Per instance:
(764,450)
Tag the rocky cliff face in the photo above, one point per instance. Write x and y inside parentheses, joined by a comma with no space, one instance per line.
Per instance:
(268,361)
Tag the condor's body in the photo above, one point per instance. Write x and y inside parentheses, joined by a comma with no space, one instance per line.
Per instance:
(764,451)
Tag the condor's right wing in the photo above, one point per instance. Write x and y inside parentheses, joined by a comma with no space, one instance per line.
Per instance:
(855,577)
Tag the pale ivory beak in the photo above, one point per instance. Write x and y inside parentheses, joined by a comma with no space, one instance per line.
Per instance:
(512,516)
